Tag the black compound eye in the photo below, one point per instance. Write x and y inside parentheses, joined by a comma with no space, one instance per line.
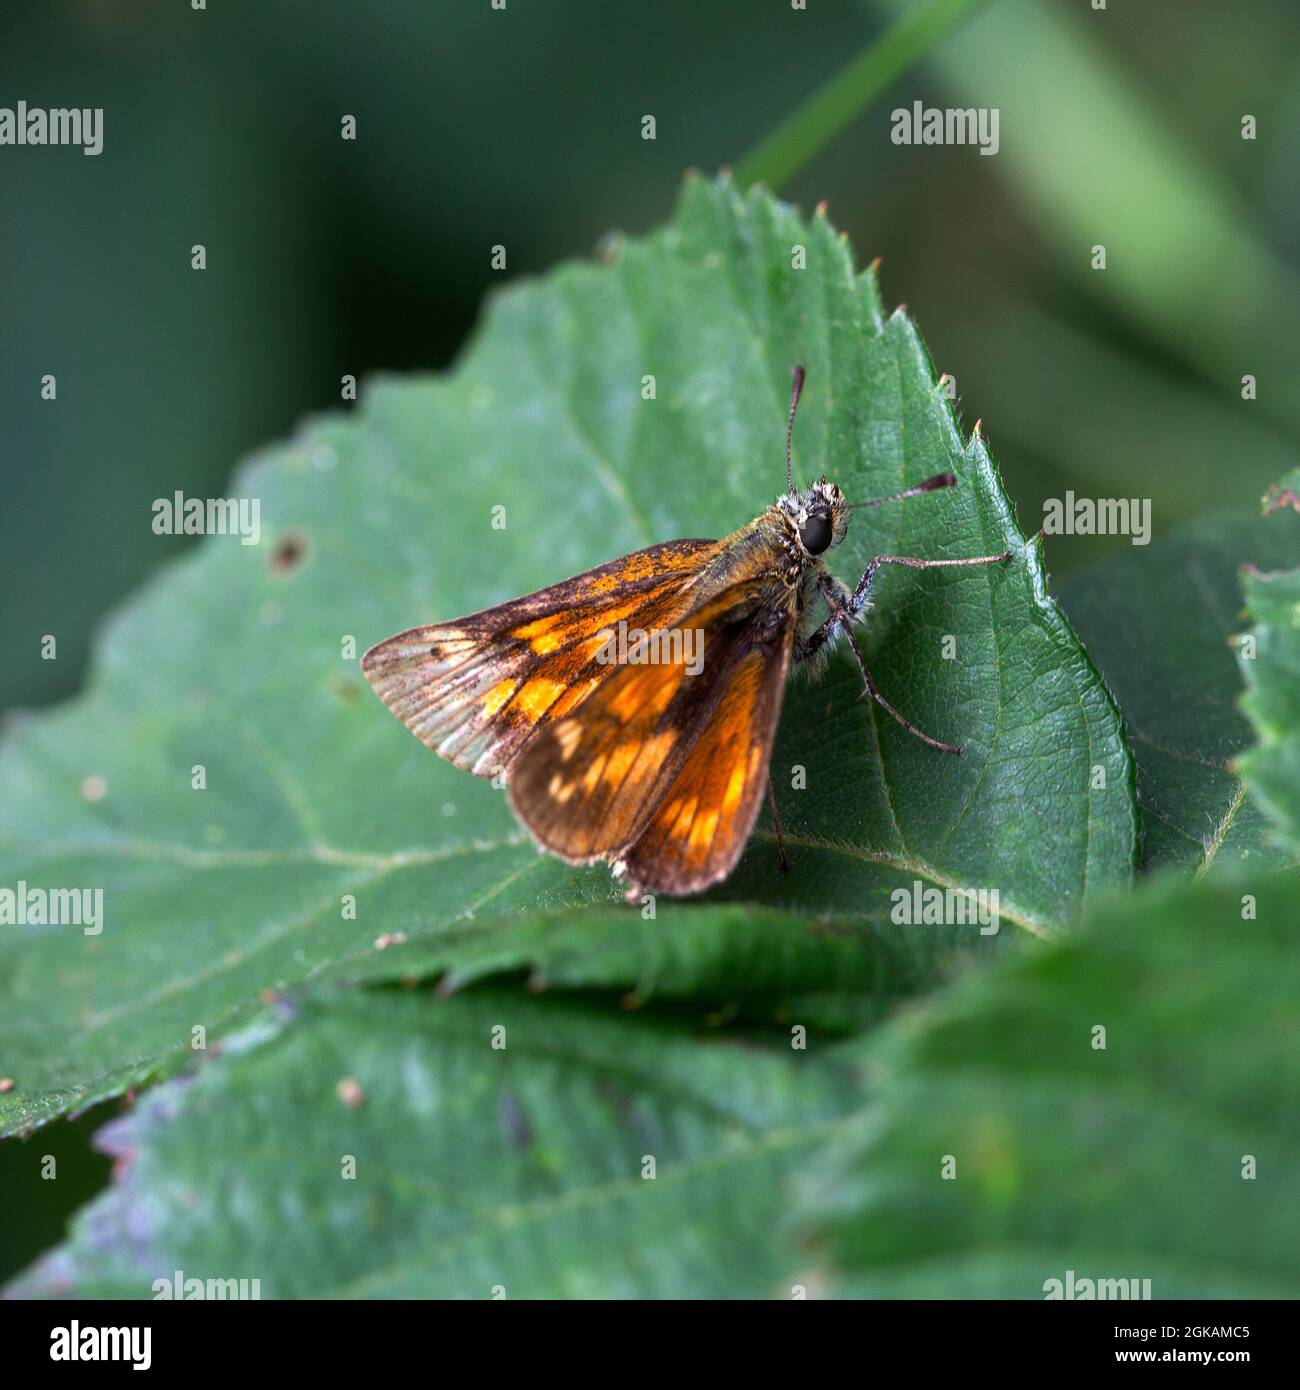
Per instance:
(815,534)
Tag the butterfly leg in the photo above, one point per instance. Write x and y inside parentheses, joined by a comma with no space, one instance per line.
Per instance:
(780,830)
(858,599)
(870,690)
(846,608)
(805,648)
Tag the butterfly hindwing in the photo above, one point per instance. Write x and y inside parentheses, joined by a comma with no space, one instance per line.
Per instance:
(701,825)
(476,690)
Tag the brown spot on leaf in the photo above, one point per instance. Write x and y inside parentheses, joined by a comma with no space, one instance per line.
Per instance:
(288,553)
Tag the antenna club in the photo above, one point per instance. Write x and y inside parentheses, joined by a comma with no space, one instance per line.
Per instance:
(939,480)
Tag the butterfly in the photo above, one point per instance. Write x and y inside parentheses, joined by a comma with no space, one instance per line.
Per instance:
(631,711)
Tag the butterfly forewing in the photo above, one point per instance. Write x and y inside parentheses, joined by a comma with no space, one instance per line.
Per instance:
(476,690)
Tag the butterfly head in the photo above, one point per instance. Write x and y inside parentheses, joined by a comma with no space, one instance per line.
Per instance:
(819,515)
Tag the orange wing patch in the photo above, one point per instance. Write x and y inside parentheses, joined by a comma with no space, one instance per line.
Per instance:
(587,780)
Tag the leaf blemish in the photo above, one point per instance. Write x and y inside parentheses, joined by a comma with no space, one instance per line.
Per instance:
(289,553)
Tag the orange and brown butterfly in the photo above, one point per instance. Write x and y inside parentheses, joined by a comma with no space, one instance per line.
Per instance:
(631,710)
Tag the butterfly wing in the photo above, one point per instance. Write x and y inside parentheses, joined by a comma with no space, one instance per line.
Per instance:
(663,770)
(704,820)
(476,690)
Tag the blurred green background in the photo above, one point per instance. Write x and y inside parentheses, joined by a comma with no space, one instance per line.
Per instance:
(1120,127)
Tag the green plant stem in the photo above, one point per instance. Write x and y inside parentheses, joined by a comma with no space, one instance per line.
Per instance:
(810,128)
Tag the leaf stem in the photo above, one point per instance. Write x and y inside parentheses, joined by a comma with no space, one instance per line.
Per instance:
(812,126)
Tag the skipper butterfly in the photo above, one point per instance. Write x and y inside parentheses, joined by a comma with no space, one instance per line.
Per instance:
(632,710)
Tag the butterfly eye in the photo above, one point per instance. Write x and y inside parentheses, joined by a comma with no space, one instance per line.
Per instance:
(815,534)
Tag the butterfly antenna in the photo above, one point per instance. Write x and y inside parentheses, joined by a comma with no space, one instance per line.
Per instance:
(795,392)
(930,485)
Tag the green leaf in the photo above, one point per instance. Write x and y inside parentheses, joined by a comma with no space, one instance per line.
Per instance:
(1131,1161)
(234,659)
(1158,620)
(475,1166)
(739,961)
(1270,664)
